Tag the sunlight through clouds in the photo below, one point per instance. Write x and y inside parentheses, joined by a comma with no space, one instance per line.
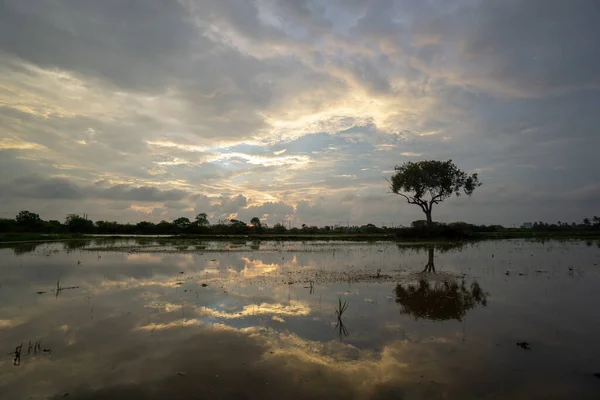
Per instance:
(289,102)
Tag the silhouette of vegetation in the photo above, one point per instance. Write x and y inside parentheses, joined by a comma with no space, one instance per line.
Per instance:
(341,308)
(339,311)
(201,223)
(78,224)
(182,223)
(430,182)
(452,231)
(435,299)
(430,266)
(256,224)
(28,219)
(18,354)
(27,226)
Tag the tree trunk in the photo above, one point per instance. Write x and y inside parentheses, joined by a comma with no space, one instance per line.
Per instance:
(429,220)
(430,266)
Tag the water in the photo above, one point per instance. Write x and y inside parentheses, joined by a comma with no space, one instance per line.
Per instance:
(131,319)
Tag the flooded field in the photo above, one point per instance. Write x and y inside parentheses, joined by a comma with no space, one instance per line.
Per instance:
(157,319)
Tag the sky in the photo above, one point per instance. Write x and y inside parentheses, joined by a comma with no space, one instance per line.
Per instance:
(297,110)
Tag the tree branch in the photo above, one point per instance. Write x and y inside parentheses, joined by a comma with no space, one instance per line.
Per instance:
(412,200)
(437,198)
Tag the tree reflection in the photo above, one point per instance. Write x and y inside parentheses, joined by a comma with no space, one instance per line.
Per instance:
(22,248)
(438,299)
(430,266)
(76,244)
(441,247)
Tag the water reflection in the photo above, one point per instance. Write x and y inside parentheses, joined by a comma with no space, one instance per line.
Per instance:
(430,266)
(438,298)
(339,312)
(22,248)
(220,320)
(76,244)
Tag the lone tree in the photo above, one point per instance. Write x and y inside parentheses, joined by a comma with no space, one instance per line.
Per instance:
(426,183)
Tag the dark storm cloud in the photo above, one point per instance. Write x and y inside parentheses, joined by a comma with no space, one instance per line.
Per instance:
(38,187)
(538,46)
(144,193)
(275,211)
(130,43)
(229,205)
(526,48)
(42,188)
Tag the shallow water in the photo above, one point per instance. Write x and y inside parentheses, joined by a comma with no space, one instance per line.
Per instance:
(131,319)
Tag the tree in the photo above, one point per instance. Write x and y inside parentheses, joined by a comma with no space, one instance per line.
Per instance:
(255,221)
(27,218)
(54,226)
(236,226)
(279,228)
(78,224)
(426,183)
(145,227)
(202,220)
(164,227)
(182,222)
(7,225)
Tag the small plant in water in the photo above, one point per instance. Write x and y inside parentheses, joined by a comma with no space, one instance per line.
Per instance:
(17,354)
(339,311)
(341,308)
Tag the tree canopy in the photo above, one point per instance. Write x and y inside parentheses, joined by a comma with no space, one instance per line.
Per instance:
(78,224)
(430,182)
(255,221)
(182,222)
(27,218)
(202,220)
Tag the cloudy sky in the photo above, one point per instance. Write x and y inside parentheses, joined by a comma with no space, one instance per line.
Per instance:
(297,109)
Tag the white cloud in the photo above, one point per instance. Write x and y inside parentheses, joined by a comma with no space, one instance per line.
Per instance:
(411,154)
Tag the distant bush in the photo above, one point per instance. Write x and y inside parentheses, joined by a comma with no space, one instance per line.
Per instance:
(452,231)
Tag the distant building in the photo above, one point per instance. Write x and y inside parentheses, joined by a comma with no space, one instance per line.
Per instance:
(527,225)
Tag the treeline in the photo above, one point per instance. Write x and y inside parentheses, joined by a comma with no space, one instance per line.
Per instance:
(591,224)
(30,222)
